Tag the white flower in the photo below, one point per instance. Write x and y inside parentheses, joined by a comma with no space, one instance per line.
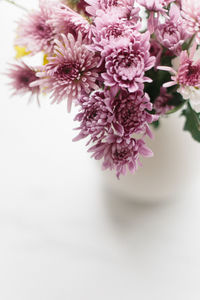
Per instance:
(193,94)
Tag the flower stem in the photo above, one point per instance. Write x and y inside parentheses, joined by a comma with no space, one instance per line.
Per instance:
(16,4)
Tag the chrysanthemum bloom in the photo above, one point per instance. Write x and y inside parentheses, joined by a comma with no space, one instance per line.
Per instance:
(96,115)
(35,32)
(71,71)
(126,61)
(172,34)
(123,8)
(120,153)
(191,15)
(162,103)
(22,76)
(129,13)
(109,26)
(187,77)
(66,20)
(131,113)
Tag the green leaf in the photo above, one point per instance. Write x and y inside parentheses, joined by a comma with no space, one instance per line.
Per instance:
(192,123)
(156,124)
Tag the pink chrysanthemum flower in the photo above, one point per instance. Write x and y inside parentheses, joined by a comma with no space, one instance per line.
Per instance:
(35,32)
(22,76)
(126,61)
(123,8)
(120,153)
(131,113)
(171,34)
(71,71)
(188,73)
(109,27)
(191,15)
(96,115)
(162,103)
(66,20)
(187,77)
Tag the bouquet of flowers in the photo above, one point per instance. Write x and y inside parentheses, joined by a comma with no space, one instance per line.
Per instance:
(124,63)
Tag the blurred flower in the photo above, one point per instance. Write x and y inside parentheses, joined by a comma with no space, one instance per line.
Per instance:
(34,32)
(22,76)
(191,15)
(66,20)
(161,104)
(70,72)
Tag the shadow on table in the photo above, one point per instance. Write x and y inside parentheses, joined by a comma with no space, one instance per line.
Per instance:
(138,217)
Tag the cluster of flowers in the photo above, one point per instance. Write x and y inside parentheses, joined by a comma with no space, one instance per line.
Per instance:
(103,57)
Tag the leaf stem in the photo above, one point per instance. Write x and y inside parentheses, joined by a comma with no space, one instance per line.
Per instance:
(16,4)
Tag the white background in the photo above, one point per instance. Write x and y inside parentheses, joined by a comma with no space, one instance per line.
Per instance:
(62,237)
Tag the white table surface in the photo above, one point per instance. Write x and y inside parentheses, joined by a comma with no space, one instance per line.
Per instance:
(62,237)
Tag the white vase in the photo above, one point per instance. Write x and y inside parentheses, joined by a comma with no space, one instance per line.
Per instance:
(175,165)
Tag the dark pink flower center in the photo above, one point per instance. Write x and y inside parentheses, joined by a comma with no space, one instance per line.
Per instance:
(92,113)
(169,29)
(121,154)
(114,30)
(109,3)
(25,78)
(127,59)
(69,71)
(129,115)
(191,76)
(40,27)
(44,30)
